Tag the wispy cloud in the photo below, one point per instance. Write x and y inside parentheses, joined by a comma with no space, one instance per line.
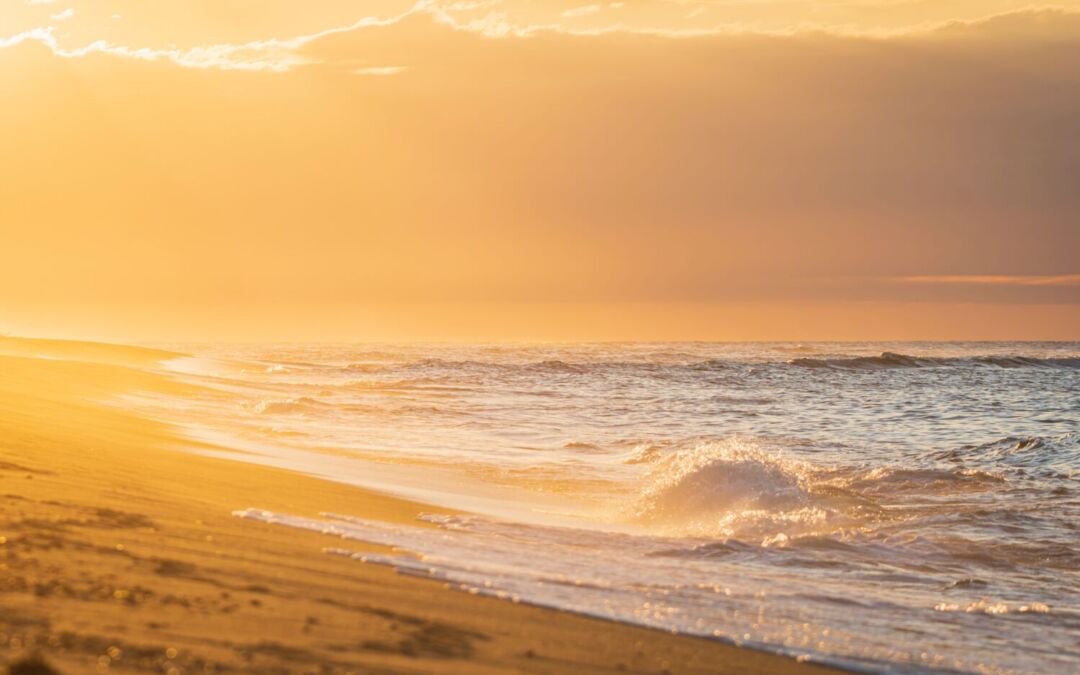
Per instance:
(282,55)
(275,55)
(993,279)
(380,70)
(582,11)
(268,55)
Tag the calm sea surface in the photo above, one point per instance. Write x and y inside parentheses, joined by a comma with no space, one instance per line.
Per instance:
(888,507)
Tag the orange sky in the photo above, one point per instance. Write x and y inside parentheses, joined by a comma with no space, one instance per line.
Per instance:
(506,169)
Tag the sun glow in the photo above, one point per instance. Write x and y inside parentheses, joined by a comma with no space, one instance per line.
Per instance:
(213,163)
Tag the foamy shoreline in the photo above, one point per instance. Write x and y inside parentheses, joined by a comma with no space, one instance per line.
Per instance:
(122,553)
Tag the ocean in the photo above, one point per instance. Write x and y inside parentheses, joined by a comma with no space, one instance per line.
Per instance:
(888,507)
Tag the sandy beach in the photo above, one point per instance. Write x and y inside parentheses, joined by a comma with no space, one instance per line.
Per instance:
(118,552)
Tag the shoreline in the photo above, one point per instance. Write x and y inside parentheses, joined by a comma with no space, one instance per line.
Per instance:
(119,551)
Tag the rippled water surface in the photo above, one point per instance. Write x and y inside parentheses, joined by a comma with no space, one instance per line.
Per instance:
(892,507)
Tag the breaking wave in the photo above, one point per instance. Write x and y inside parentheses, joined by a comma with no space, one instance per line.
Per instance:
(752,490)
(736,488)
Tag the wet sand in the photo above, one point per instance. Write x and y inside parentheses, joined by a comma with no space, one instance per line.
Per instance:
(118,553)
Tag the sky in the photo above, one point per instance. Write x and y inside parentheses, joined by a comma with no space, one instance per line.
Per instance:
(523,170)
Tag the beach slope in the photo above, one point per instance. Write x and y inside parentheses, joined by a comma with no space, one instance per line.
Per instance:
(118,553)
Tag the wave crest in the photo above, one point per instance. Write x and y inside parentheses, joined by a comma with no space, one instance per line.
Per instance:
(1044,456)
(887,360)
(290,405)
(734,488)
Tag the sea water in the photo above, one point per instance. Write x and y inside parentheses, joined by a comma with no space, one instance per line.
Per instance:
(900,507)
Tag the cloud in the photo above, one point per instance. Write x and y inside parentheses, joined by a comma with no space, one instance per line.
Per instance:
(278,55)
(1035,23)
(269,55)
(582,11)
(381,70)
(283,55)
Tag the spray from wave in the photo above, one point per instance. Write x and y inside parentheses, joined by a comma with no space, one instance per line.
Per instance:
(738,488)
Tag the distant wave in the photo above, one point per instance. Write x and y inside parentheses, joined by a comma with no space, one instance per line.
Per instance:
(711,364)
(290,405)
(421,384)
(1028,362)
(375,355)
(581,445)
(798,349)
(471,364)
(364,367)
(885,360)
(556,366)
(893,360)
(1043,456)
(559,367)
(548,366)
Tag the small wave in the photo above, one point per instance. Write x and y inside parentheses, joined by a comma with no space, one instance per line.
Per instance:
(711,364)
(581,445)
(424,385)
(362,367)
(887,360)
(548,366)
(289,405)
(373,355)
(288,433)
(1027,362)
(1006,555)
(797,349)
(645,453)
(279,360)
(1045,456)
(965,583)
(556,366)
(895,481)
(746,400)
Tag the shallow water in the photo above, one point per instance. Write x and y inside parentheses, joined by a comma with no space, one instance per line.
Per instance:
(893,507)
